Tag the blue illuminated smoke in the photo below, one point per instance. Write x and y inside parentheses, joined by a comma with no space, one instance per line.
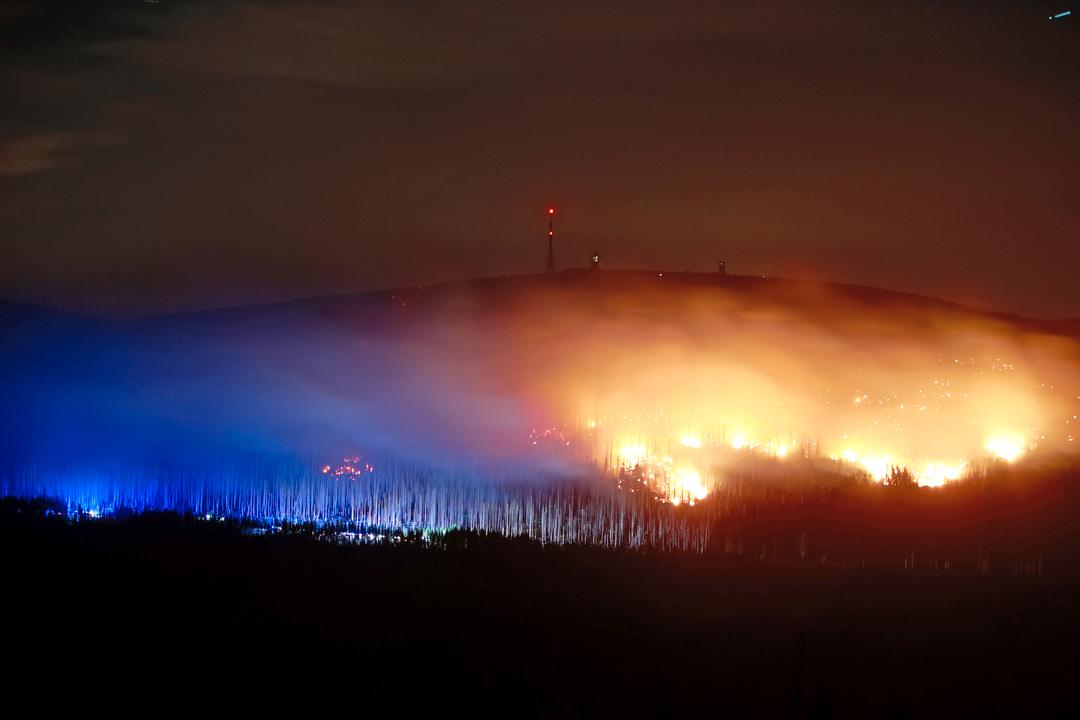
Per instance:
(233,415)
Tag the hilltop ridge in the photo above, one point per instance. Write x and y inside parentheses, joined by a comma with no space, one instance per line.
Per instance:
(374,307)
(501,291)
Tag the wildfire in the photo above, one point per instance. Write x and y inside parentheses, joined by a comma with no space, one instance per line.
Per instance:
(659,474)
(675,470)
(877,466)
(631,455)
(1006,447)
(936,474)
(682,392)
(686,484)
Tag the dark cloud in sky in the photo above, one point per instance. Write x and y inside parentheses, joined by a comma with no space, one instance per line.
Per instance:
(174,155)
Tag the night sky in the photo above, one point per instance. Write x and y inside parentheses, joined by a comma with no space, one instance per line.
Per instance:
(175,155)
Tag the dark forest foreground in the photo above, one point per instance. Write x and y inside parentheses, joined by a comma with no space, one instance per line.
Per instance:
(161,612)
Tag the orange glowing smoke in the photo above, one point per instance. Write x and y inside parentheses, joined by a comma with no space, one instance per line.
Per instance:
(677,382)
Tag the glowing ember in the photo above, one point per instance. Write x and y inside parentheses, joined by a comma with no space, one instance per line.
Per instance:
(352,468)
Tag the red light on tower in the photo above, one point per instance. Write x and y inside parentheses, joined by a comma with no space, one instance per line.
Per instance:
(551,211)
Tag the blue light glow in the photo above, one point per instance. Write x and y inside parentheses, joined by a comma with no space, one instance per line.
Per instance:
(401,498)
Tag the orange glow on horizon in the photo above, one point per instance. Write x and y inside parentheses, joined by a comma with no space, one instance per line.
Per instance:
(682,391)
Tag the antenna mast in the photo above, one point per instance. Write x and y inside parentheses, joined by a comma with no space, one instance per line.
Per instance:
(551,240)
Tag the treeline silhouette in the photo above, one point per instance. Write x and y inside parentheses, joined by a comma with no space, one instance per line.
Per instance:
(1001,519)
(173,609)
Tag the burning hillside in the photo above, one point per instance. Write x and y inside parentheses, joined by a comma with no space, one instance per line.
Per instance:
(675,375)
(664,389)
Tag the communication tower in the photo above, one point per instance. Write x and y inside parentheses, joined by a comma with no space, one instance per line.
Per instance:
(551,240)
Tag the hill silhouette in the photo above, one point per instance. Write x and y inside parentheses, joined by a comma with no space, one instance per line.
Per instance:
(496,292)
(377,309)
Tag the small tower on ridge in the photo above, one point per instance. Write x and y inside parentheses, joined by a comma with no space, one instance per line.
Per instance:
(551,240)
